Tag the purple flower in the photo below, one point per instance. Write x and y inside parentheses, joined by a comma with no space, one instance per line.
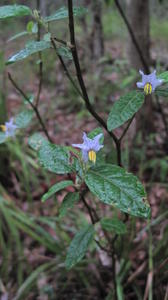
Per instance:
(149,82)
(9,128)
(89,147)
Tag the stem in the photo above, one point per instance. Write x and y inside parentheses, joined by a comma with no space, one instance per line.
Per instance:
(40,58)
(81,81)
(32,106)
(126,128)
(133,37)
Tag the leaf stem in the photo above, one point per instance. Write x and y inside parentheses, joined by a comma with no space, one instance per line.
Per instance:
(34,107)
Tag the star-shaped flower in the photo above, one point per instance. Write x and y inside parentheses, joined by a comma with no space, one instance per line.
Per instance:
(149,82)
(9,128)
(89,147)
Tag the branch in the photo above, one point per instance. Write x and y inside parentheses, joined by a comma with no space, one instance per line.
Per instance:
(81,81)
(32,106)
(126,128)
(134,40)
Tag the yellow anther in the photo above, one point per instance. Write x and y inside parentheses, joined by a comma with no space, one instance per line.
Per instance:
(92,156)
(3,128)
(148,88)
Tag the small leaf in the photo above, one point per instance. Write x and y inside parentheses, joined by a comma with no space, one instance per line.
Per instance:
(65,52)
(32,47)
(9,11)
(36,141)
(113,225)
(68,202)
(54,158)
(23,119)
(124,108)
(55,188)
(62,13)
(114,186)
(2,137)
(79,246)
(30,26)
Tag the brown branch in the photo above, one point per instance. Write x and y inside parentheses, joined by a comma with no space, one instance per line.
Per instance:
(126,128)
(82,84)
(35,109)
(133,37)
(40,58)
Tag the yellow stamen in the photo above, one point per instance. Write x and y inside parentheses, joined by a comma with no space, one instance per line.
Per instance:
(92,156)
(3,128)
(148,88)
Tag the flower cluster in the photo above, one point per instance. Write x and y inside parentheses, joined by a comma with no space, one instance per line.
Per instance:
(90,147)
(149,82)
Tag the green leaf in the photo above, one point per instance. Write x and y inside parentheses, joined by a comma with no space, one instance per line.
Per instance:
(124,109)
(68,202)
(30,26)
(163,76)
(54,158)
(9,11)
(18,35)
(55,188)
(23,119)
(113,225)
(65,52)
(62,13)
(2,137)
(79,246)
(114,186)
(31,48)
(36,141)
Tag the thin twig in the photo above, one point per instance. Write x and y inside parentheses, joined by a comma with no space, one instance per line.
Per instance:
(35,109)
(133,37)
(40,59)
(126,128)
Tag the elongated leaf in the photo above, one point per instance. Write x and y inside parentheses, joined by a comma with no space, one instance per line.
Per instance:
(9,11)
(55,188)
(79,246)
(18,35)
(68,202)
(124,109)
(2,137)
(62,13)
(113,225)
(36,141)
(23,119)
(54,158)
(31,48)
(114,186)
